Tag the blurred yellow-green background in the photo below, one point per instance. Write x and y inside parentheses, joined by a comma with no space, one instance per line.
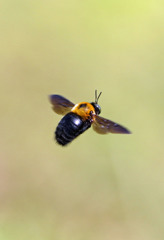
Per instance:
(99,187)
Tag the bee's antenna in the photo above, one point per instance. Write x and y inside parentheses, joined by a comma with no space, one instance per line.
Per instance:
(97,98)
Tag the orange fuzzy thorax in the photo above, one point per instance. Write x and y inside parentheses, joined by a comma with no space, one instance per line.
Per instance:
(84,109)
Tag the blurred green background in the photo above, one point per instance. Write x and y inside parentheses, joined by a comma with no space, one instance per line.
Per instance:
(98,187)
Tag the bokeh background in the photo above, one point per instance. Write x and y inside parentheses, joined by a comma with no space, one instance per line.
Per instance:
(98,187)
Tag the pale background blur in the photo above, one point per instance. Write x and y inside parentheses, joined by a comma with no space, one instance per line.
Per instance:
(99,187)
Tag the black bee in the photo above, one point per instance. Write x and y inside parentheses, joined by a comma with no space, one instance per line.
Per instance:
(78,118)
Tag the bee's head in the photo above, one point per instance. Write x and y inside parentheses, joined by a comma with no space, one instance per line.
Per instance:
(95,104)
(96,107)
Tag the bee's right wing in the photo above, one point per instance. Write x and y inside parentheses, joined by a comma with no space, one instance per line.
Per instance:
(103,126)
(60,104)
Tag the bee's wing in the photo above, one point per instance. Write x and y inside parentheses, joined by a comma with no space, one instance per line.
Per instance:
(103,126)
(60,104)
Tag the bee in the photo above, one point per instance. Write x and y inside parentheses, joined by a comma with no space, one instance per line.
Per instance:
(79,117)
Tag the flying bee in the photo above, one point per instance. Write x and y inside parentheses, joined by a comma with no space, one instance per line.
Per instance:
(79,117)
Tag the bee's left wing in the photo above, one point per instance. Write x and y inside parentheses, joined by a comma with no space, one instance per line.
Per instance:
(103,126)
(60,104)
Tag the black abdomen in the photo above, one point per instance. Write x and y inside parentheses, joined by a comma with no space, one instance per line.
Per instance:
(70,126)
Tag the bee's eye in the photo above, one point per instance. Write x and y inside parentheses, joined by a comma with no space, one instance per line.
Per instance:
(97,109)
